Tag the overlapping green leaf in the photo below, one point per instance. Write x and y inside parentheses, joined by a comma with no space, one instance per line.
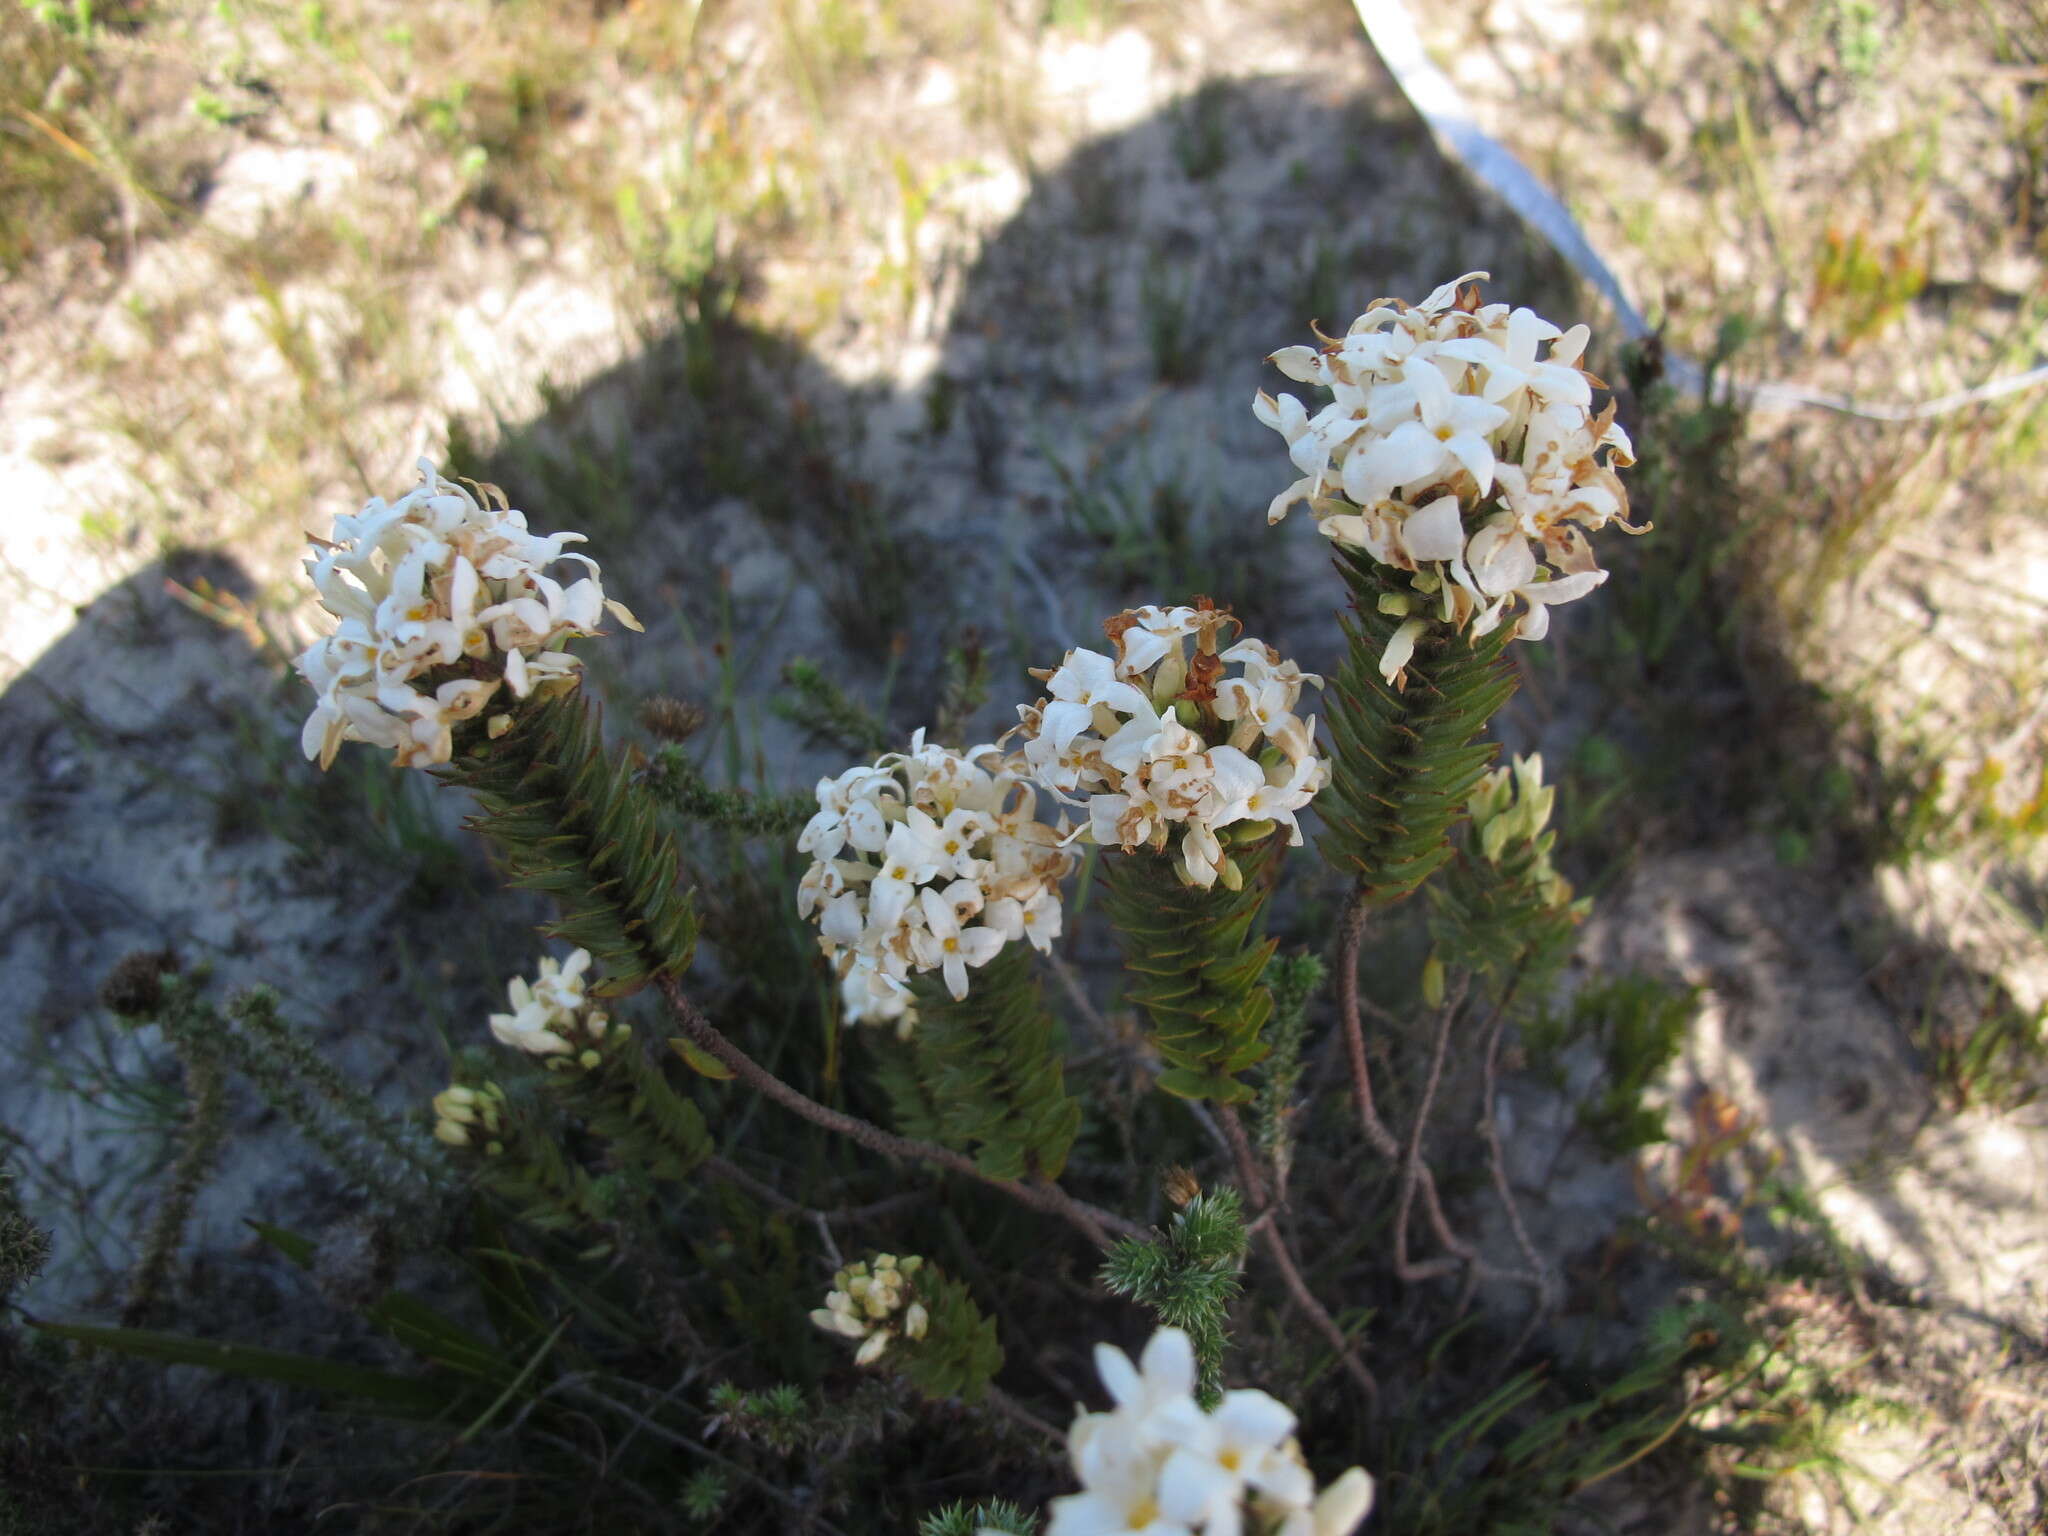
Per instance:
(1405,757)
(569,820)
(1194,960)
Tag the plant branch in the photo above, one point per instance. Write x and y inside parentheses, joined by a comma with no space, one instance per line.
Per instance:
(1044,1196)
(1276,1247)
(1496,1162)
(1416,1175)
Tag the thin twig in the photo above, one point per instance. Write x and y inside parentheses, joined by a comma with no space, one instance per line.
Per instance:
(1416,1175)
(1275,1242)
(662,1432)
(1046,1196)
(1411,1156)
(1010,1408)
(1070,983)
(1241,1153)
(1546,1285)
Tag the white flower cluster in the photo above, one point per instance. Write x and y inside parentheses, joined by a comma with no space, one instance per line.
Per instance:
(1448,447)
(863,1304)
(553,1016)
(1155,739)
(908,854)
(441,599)
(1158,1464)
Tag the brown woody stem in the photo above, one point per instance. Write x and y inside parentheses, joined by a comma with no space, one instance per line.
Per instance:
(1095,1223)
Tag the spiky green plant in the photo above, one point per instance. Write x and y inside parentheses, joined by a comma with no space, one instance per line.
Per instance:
(1189,1275)
(959,1354)
(571,820)
(985,1073)
(965,1519)
(1406,759)
(1195,959)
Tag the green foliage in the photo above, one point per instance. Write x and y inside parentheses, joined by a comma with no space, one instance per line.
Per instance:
(1639,1024)
(963,687)
(1993,1055)
(1405,757)
(959,1354)
(293,1077)
(572,822)
(964,1519)
(628,1102)
(1503,919)
(1166,302)
(547,1189)
(1293,980)
(1862,285)
(359,1386)
(1501,909)
(1189,1275)
(1195,963)
(1509,1461)
(1202,129)
(674,778)
(704,1495)
(204,1131)
(825,713)
(24,1246)
(986,1072)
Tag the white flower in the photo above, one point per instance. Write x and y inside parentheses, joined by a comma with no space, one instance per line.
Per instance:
(865,1301)
(1443,415)
(1037,920)
(909,859)
(1218,1457)
(1165,1372)
(907,852)
(945,946)
(1083,680)
(1157,1463)
(425,588)
(462,1114)
(552,1015)
(1174,756)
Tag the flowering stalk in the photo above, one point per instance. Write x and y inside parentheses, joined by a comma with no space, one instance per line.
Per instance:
(1192,770)
(924,1324)
(1458,471)
(447,618)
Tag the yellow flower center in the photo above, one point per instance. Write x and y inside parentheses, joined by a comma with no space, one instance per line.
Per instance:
(1142,1514)
(952,946)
